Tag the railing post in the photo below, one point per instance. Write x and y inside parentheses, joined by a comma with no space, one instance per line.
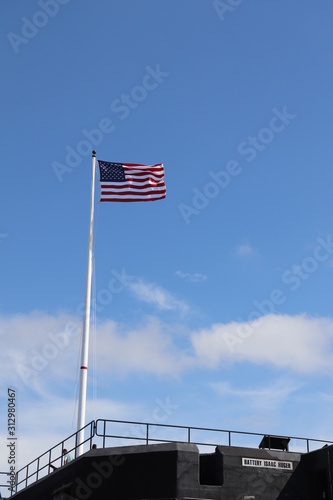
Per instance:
(75,443)
(37,468)
(62,452)
(104,431)
(189,434)
(11,491)
(26,476)
(92,424)
(229,434)
(147,436)
(307,445)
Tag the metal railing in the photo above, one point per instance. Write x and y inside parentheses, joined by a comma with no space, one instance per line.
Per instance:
(225,437)
(42,465)
(124,431)
(4,484)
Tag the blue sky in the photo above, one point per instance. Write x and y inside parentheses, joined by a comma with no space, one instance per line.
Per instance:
(222,292)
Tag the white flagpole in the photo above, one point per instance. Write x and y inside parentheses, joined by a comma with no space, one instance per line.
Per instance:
(86,319)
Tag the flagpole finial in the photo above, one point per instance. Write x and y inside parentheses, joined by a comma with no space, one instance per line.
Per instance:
(94,153)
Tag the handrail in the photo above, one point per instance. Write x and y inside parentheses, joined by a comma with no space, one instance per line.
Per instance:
(41,464)
(52,456)
(4,486)
(189,430)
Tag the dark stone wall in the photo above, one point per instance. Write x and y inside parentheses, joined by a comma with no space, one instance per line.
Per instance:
(313,478)
(177,471)
(125,473)
(257,483)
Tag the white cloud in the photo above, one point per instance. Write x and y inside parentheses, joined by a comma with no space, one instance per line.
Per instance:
(260,398)
(37,346)
(299,343)
(192,277)
(146,348)
(157,296)
(40,349)
(245,250)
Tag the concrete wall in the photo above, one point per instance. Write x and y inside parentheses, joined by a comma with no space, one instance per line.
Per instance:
(124,473)
(177,471)
(257,482)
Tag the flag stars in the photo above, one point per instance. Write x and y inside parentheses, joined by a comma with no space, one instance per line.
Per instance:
(112,172)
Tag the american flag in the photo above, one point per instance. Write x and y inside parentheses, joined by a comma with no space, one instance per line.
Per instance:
(131,182)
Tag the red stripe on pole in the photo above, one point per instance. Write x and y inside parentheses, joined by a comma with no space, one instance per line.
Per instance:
(84,368)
